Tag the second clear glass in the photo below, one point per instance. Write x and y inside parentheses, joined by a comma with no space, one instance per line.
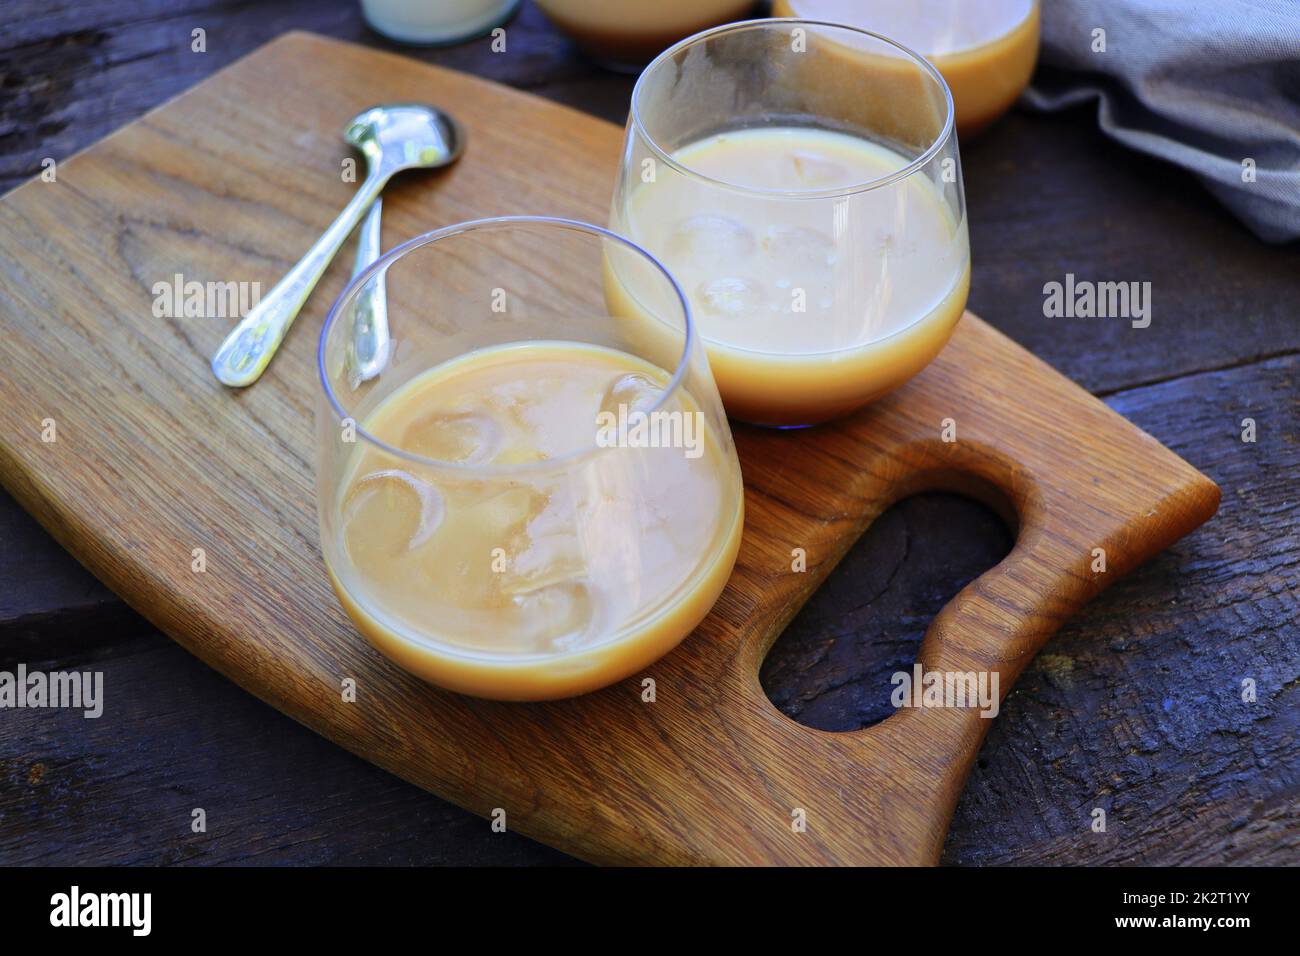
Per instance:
(801,180)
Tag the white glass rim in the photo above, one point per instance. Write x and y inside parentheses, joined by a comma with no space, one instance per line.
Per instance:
(945,134)
(350,293)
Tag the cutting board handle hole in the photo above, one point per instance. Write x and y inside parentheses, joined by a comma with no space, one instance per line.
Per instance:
(831,669)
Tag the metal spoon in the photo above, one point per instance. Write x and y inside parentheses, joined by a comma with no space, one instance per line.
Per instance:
(392,138)
(368,353)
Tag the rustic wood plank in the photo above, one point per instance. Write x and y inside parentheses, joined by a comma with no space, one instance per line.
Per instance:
(1050,196)
(40,578)
(273,792)
(1136,705)
(74,74)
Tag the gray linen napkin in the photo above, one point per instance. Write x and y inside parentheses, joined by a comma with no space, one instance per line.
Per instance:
(1206,84)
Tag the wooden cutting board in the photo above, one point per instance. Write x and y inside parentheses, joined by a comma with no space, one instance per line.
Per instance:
(153,459)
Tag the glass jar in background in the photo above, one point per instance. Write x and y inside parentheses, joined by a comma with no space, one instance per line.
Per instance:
(985,49)
(627,34)
(436,22)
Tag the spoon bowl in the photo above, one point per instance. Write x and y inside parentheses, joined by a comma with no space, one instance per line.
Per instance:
(408,135)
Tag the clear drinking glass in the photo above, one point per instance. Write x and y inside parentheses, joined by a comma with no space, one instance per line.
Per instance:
(801,181)
(525,503)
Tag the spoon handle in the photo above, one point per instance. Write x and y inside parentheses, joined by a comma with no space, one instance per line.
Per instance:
(248,349)
(369,352)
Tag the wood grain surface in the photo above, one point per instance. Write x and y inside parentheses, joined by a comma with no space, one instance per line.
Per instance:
(154,459)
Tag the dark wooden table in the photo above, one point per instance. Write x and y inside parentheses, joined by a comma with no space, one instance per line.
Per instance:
(1135,707)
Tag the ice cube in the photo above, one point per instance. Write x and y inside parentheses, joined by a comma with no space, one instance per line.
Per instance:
(390,511)
(798,247)
(706,241)
(556,617)
(466,438)
(500,514)
(730,296)
(633,391)
(815,171)
(547,551)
